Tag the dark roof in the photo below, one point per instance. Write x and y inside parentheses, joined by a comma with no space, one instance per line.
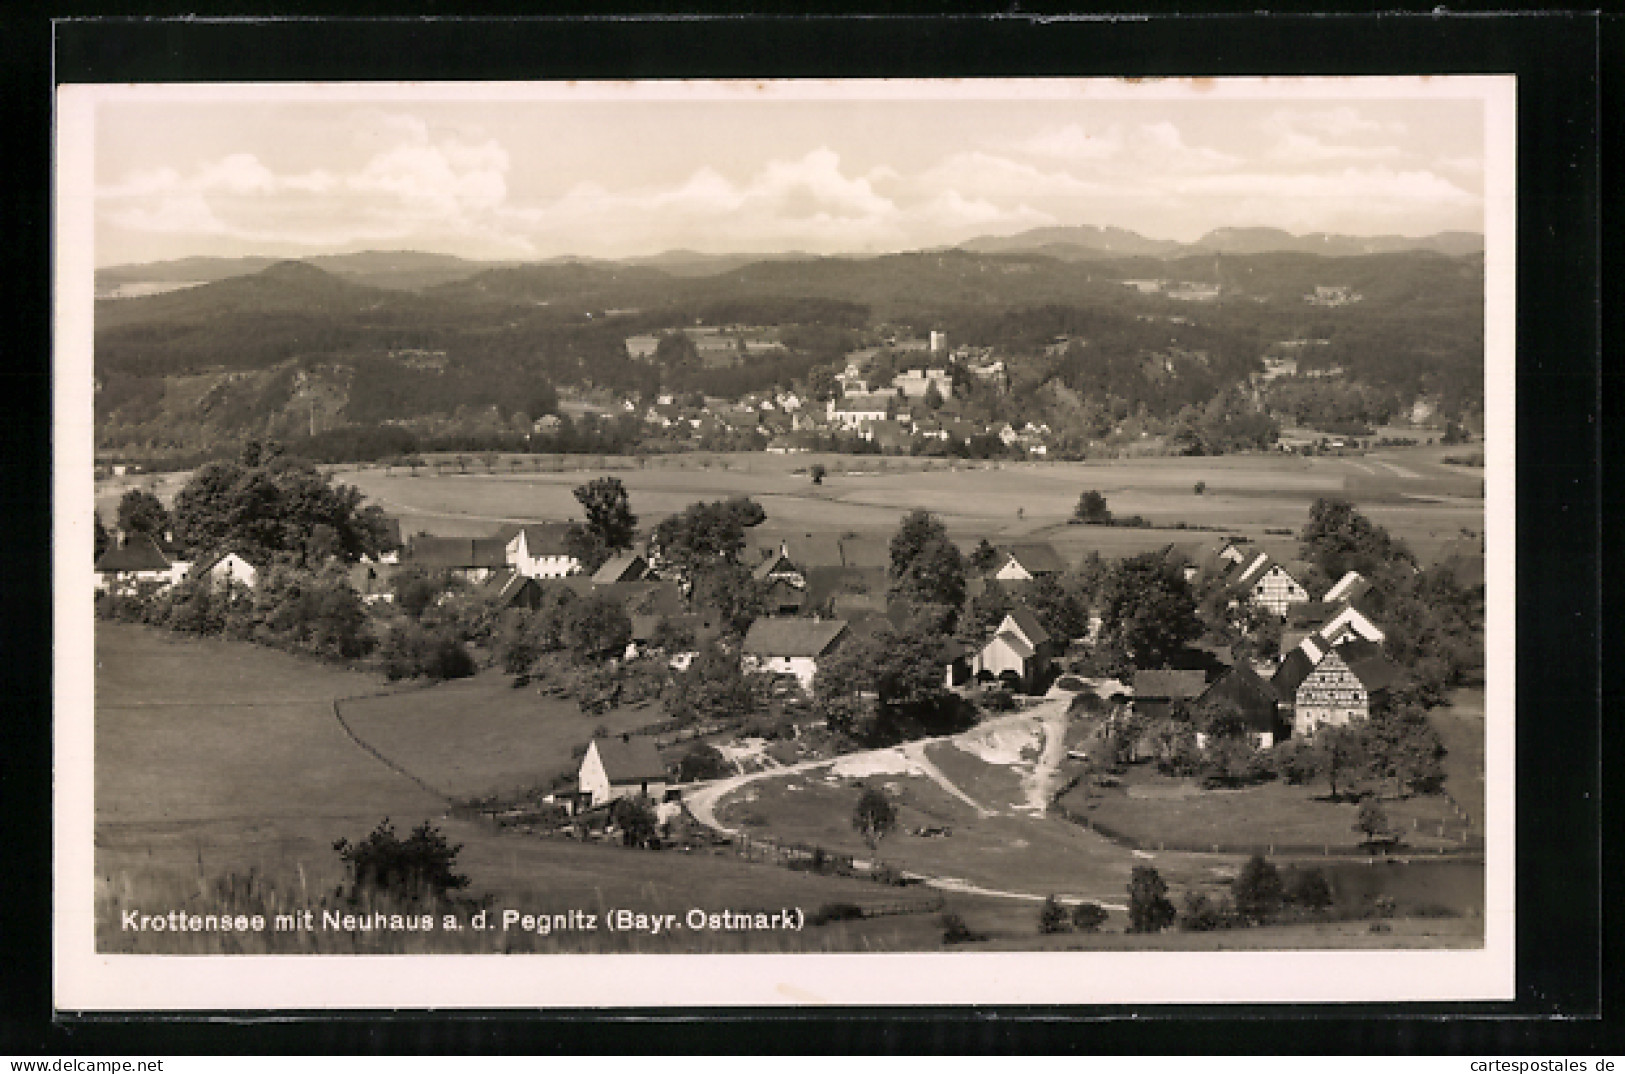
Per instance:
(1255,698)
(541,538)
(775,636)
(1311,613)
(826,584)
(1365,658)
(620,566)
(1169,684)
(1293,670)
(138,553)
(507,587)
(392,531)
(630,760)
(806,550)
(456,553)
(1037,557)
(1029,624)
(775,563)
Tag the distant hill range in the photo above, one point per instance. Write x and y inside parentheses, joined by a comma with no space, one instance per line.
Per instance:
(1096,243)
(407,270)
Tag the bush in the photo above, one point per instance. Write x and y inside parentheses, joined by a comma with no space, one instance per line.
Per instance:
(419,866)
(1311,891)
(1258,890)
(1200,487)
(1088,916)
(954,930)
(1148,907)
(1201,914)
(702,761)
(836,911)
(411,652)
(1052,917)
(635,817)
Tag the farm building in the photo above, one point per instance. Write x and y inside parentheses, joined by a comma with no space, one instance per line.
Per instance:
(1339,686)
(508,588)
(538,549)
(223,570)
(1157,692)
(132,560)
(1024,562)
(624,767)
(1269,584)
(1253,699)
(623,567)
(1328,624)
(473,560)
(1020,651)
(790,646)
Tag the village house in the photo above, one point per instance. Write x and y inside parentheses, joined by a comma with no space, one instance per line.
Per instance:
(471,559)
(1352,586)
(917,383)
(1253,699)
(784,586)
(1157,692)
(622,567)
(1025,562)
(788,646)
(852,411)
(1268,584)
(507,588)
(226,570)
(538,549)
(625,767)
(1339,687)
(1020,652)
(133,560)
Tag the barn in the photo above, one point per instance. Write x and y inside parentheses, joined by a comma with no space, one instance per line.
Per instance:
(624,767)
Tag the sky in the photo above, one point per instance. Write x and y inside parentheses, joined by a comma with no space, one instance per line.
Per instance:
(633,169)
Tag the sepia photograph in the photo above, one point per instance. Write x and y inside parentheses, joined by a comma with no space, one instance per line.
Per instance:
(785,542)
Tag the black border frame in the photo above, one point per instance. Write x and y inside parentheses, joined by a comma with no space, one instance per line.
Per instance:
(1557,57)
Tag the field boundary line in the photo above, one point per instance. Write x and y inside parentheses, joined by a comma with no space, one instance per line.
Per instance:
(385,761)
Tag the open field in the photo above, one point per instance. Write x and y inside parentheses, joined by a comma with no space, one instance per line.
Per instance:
(480,736)
(1408,490)
(218,758)
(1461,727)
(1153,809)
(1420,500)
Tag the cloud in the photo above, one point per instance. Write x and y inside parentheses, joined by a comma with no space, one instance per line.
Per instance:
(1371,185)
(417,182)
(1072,142)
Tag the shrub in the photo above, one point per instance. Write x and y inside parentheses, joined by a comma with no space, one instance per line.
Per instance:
(1148,907)
(410,652)
(1312,892)
(702,761)
(419,866)
(1200,487)
(1052,917)
(635,817)
(954,930)
(1201,914)
(1258,890)
(1088,916)
(836,911)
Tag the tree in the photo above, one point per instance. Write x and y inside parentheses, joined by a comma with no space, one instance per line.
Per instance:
(698,537)
(142,512)
(897,671)
(732,591)
(1092,509)
(1088,916)
(1258,890)
(817,472)
(597,627)
(102,537)
(1342,756)
(1052,917)
(822,385)
(1147,610)
(702,761)
(1339,539)
(1059,607)
(676,351)
(984,557)
(874,817)
(1402,746)
(713,689)
(265,503)
(1200,487)
(1148,907)
(635,817)
(986,611)
(416,591)
(609,512)
(1311,891)
(1372,822)
(926,567)
(420,866)
(933,398)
